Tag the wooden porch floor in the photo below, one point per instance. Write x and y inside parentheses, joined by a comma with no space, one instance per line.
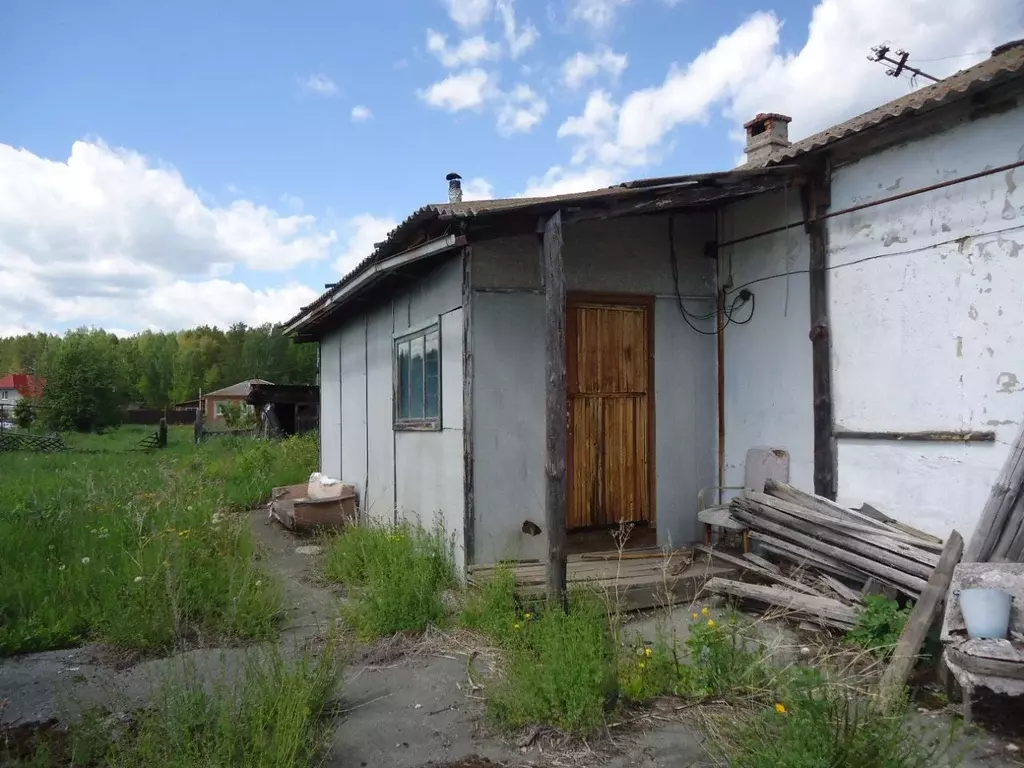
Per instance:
(637,579)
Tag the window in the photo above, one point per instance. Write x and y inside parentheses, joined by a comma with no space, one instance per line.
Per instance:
(418,380)
(3,394)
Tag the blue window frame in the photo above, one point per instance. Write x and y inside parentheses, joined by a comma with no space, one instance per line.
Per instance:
(418,380)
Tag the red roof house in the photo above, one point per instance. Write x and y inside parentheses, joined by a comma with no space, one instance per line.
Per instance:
(15,386)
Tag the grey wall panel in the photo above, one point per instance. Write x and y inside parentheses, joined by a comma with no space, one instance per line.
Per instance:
(451,370)
(353,404)
(686,433)
(379,502)
(330,405)
(508,425)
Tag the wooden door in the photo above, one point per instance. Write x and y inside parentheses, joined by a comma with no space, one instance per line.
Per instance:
(611,404)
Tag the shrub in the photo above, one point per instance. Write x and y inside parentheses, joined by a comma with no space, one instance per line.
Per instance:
(879,625)
(397,575)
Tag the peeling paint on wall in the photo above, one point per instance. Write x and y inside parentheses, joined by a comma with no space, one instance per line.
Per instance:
(1007,382)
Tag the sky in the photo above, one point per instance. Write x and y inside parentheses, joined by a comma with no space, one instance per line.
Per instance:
(165,165)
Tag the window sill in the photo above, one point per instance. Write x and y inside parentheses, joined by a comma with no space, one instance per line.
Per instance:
(426,425)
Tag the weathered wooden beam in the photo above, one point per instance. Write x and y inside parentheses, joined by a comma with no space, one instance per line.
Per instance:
(1004,497)
(766,564)
(881,554)
(804,557)
(840,589)
(840,532)
(885,523)
(823,609)
(911,585)
(939,436)
(556,405)
(921,619)
(468,505)
(746,565)
(816,196)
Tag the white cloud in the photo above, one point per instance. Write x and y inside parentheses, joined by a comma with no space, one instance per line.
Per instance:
(561,181)
(469,13)
(522,109)
(361,113)
(687,93)
(320,84)
(597,13)
(597,120)
(466,90)
(517,40)
(583,66)
(362,233)
(107,236)
(470,51)
(833,60)
(477,189)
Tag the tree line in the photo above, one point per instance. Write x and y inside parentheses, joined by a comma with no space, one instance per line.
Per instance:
(92,375)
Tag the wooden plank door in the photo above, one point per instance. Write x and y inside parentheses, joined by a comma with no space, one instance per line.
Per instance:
(611,404)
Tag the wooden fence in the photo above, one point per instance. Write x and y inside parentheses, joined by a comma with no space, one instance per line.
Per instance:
(21,441)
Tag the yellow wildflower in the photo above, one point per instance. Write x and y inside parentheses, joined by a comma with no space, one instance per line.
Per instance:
(705,610)
(642,665)
(694,615)
(517,625)
(647,652)
(527,616)
(183,534)
(780,708)
(711,623)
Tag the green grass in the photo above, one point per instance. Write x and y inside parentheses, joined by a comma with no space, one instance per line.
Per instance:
(815,723)
(140,550)
(396,576)
(270,714)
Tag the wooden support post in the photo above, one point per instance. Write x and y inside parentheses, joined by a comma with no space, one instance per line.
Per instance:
(469,517)
(556,404)
(921,619)
(816,200)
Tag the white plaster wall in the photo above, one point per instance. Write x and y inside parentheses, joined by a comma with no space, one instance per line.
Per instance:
(330,405)
(623,256)
(927,334)
(768,395)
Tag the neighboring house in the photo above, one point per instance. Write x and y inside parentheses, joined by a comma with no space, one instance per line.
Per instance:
(15,386)
(867,281)
(213,403)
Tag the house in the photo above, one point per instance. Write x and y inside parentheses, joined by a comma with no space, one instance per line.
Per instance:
(850,300)
(15,386)
(286,409)
(214,402)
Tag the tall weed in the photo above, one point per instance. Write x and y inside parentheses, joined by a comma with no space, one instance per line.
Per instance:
(397,574)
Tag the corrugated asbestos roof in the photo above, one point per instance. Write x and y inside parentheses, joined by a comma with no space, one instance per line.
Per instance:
(654,194)
(241,389)
(1006,62)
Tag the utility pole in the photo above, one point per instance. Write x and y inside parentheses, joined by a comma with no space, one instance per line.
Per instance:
(899,66)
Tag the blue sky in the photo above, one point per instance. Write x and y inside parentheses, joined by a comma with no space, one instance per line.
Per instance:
(221,173)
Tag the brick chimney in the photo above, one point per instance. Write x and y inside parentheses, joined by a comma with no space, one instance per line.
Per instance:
(454,188)
(766,134)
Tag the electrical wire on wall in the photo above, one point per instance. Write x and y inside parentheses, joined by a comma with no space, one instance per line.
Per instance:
(741,298)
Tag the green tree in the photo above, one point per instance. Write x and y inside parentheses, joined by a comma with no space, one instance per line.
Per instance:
(24,413)
(84,386)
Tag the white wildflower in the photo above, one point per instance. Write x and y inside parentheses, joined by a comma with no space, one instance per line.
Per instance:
(138,579)
(259,583)
(62,567)
(86,561)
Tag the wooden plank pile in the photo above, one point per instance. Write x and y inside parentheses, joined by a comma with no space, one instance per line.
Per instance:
(835,555)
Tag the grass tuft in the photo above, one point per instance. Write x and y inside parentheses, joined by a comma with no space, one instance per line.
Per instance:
(396,573)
